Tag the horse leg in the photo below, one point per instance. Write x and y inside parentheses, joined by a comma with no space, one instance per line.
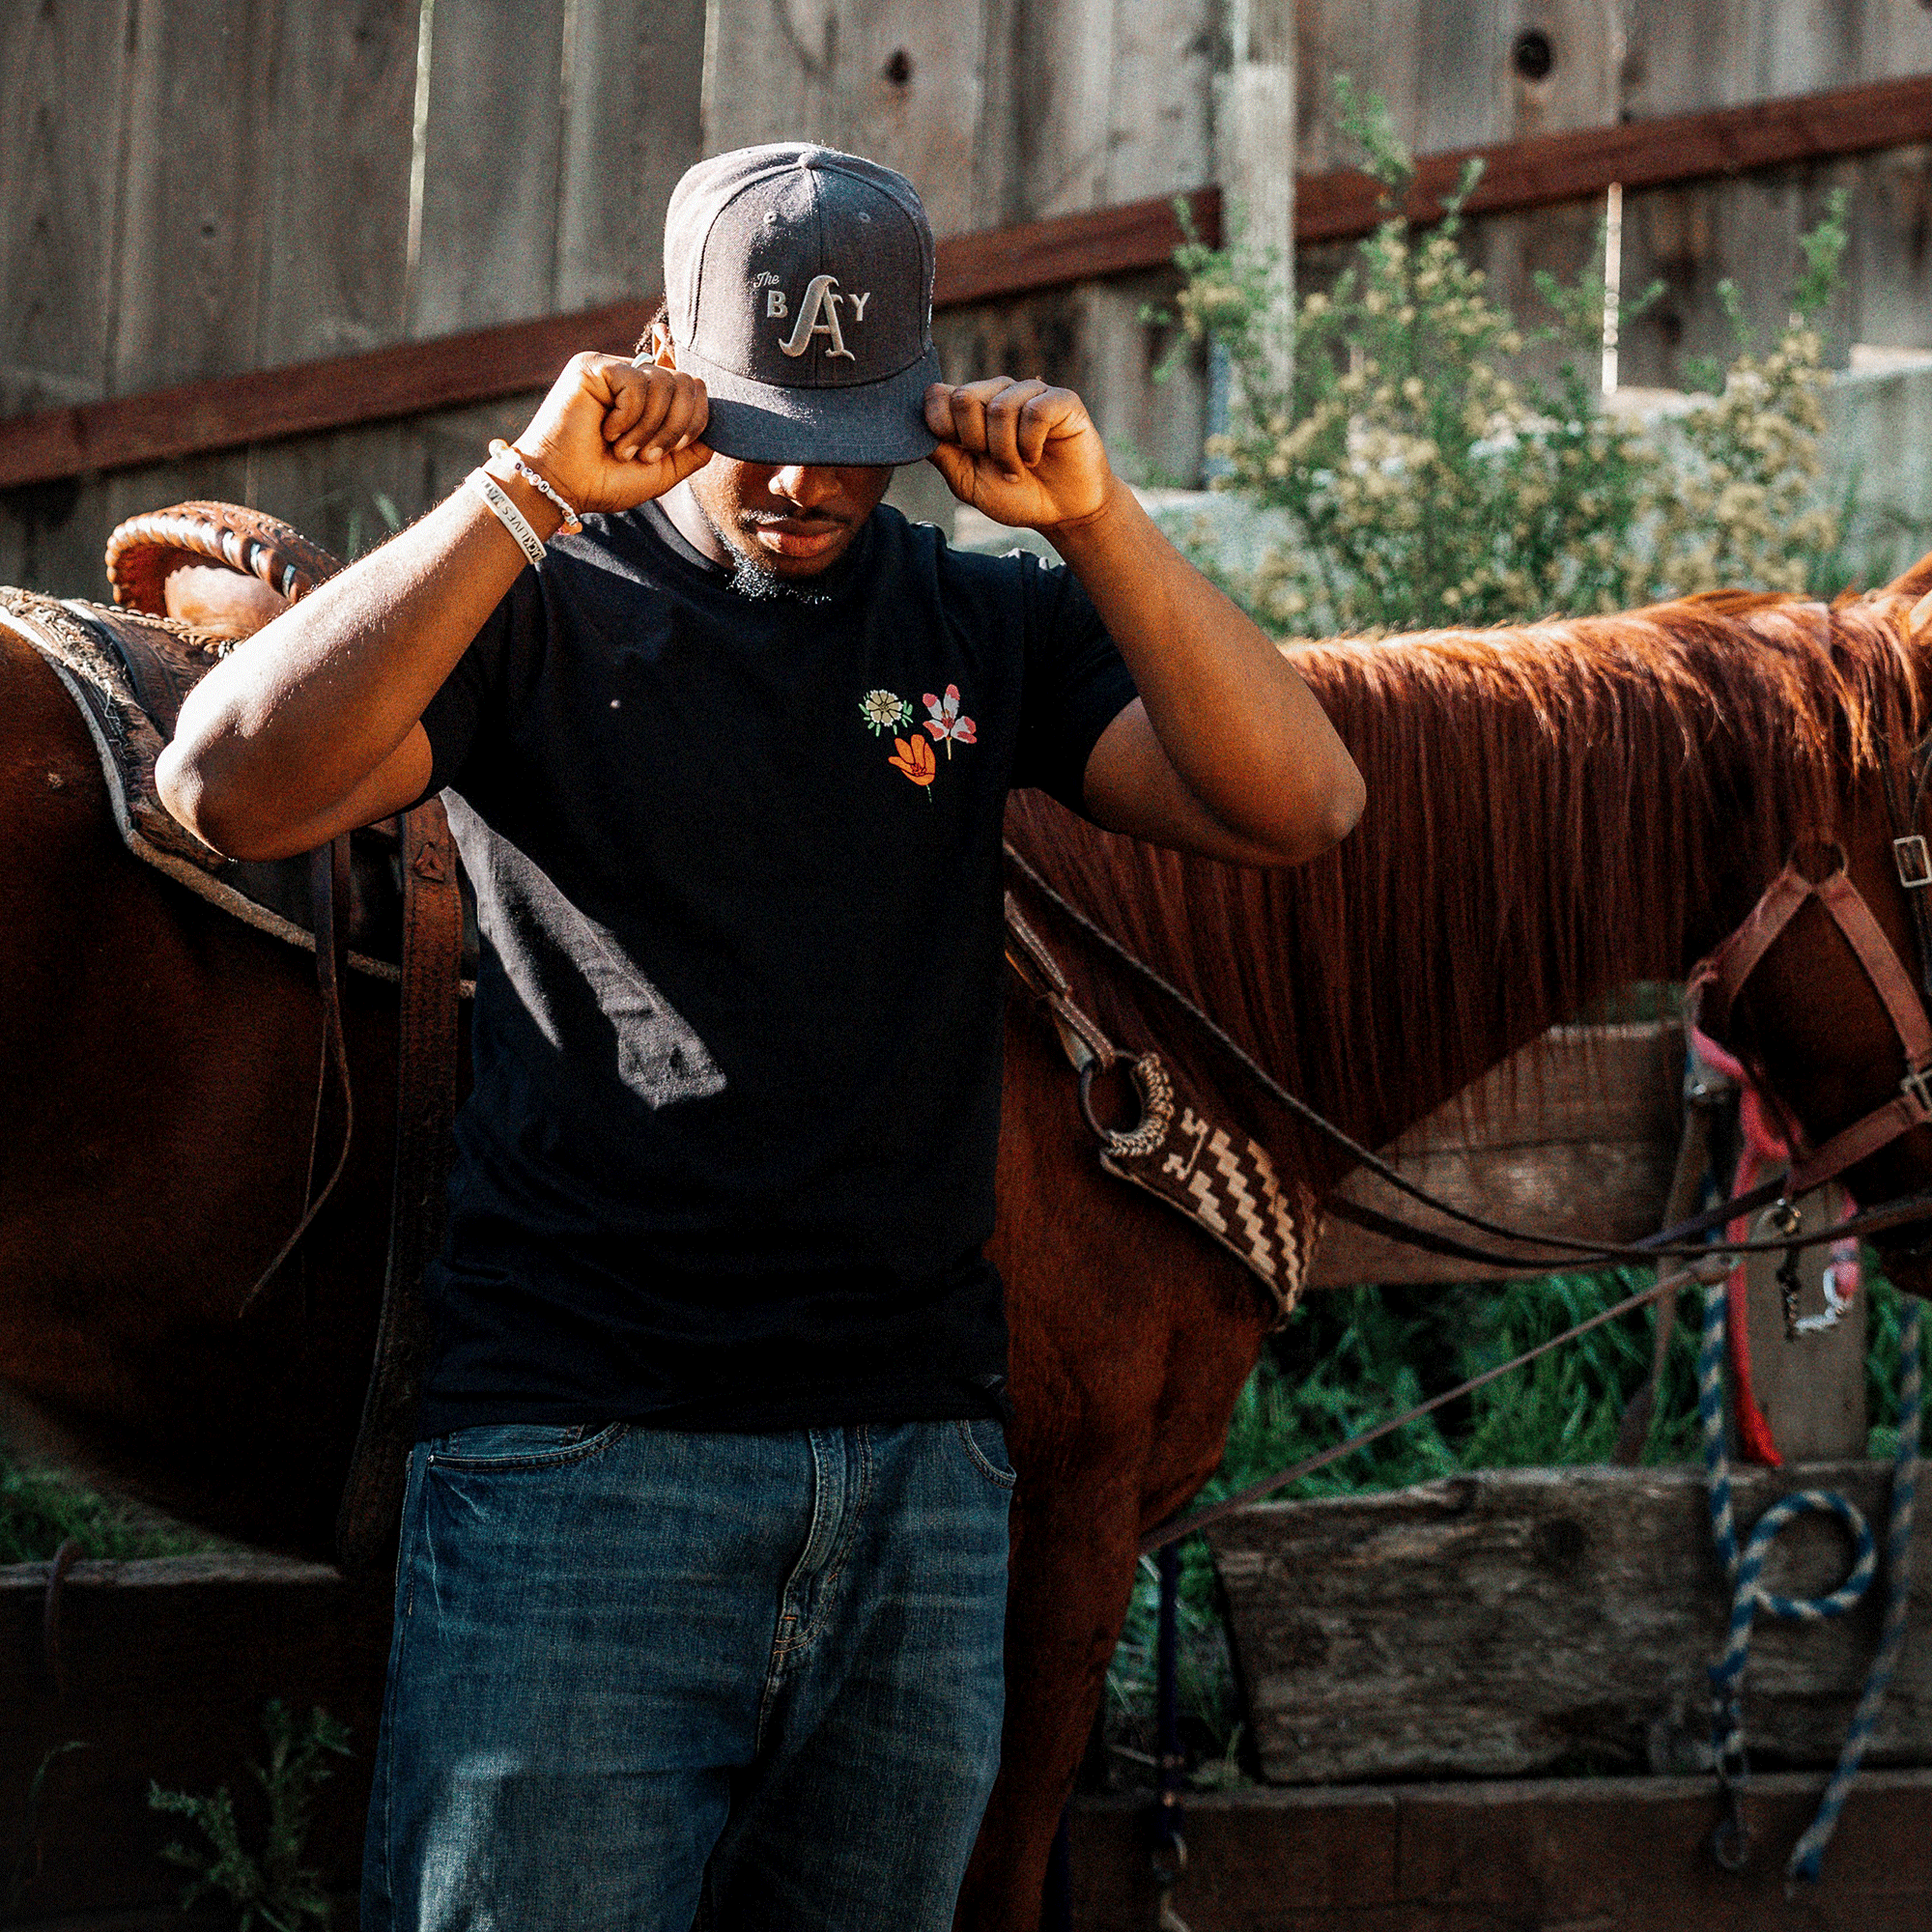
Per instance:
(1132,1336)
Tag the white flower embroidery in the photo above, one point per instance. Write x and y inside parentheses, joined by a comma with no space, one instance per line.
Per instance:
(884,712)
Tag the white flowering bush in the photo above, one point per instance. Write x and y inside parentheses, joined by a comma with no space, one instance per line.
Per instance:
(1428,480)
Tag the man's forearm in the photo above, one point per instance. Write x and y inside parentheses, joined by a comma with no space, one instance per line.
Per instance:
(1239,728)
(307,717)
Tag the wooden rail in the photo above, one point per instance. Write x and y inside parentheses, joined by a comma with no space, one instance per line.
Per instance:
(1567,1854)
(408,377)
(1665,152)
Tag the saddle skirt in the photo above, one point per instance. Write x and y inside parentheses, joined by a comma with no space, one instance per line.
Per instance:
(129,675)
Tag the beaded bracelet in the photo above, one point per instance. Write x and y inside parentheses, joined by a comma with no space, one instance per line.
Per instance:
(572,522)
(482,484)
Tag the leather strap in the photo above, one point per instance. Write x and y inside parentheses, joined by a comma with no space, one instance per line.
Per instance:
(1081,1038)
(1728,967)
(372,1497)
(1883,966)
(328,889)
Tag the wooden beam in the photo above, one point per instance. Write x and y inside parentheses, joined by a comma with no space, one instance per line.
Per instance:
(1009,262)
(308,397)
(1568,1854)
(409,378)
(1511,1621)
(1577,1136)
(1664,152)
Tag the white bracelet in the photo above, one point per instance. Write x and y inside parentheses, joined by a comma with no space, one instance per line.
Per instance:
(485,486)
(572,522)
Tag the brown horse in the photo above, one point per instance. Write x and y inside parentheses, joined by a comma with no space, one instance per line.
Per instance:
(1553,811)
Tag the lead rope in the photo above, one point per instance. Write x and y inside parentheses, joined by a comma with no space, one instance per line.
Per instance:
(1730,1843)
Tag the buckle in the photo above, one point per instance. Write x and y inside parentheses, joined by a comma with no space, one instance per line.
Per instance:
(1916,1086)
(1912,859)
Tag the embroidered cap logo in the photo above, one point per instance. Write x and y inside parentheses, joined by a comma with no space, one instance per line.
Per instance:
(822,297)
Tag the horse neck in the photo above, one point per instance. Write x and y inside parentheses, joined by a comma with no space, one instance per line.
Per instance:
(1553,813)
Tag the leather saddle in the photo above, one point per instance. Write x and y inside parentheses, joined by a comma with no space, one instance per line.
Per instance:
(387,901)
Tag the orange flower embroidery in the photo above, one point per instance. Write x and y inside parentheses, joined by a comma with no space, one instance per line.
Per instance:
(914,758)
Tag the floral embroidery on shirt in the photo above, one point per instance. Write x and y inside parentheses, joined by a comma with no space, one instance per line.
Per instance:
(945,724)
(914,758)
(883,711)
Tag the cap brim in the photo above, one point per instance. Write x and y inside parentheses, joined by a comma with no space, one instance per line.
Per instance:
(870,422)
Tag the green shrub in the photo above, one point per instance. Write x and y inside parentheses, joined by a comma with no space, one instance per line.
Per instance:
(1428,477)
(42,1508)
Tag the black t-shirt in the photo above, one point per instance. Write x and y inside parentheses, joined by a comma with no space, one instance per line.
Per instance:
(728,1160)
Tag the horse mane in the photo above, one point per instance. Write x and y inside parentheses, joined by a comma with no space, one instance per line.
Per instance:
(1553,811)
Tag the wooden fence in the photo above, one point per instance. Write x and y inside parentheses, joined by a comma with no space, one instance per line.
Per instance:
(223,186)
(1462,74)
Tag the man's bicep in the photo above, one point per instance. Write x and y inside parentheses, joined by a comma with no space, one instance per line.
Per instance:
(1131,786)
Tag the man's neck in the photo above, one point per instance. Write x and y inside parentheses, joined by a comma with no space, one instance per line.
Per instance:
(695,527)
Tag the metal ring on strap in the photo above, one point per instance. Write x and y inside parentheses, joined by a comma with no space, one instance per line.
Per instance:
(1156,1096)
(143,551)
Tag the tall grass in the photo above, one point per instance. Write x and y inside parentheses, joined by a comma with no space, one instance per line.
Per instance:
(41,1508)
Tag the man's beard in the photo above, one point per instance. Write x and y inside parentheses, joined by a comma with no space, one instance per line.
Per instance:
(752,576)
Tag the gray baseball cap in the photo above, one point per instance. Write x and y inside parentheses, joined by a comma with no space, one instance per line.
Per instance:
(799,282)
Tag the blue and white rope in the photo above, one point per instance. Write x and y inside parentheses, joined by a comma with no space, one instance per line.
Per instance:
(1749,1597)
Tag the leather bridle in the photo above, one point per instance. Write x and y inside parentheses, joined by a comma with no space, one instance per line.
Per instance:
(1717,982)
(1717,977)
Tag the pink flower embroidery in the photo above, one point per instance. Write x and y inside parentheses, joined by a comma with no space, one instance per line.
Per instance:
(945,722)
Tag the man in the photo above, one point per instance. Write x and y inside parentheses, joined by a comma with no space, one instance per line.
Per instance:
(702,1585)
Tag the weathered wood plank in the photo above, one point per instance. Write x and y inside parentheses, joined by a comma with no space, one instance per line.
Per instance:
(892,80)
(335,262)
(1809,1388)
(1255,140)
(1517,1620)
(454,371)
(63,73)
(189,266)
(1576,1136)
(1581,164)
(493,145)
(1571,1855)
(335,235)
(633,73)
(1062,249)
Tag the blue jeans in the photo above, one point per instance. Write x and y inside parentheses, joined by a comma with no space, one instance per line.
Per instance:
(638,1674)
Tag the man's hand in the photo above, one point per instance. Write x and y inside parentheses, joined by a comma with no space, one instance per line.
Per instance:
(611,434)
(1019,452)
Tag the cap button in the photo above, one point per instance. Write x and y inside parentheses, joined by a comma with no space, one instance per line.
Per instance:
(809,158)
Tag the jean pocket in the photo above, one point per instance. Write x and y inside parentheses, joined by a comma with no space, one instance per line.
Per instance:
(986,1448)
(520,1445)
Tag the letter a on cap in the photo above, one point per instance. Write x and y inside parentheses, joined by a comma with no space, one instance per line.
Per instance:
(820,296)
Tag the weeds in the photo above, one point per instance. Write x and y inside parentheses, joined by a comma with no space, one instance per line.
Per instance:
(270,1885)
(42,1508)
(27,1861)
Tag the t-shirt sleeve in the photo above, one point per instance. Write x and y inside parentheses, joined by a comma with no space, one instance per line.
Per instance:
(1076,682)
(466,713)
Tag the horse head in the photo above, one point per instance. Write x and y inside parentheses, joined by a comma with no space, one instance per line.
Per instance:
(1825,992)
